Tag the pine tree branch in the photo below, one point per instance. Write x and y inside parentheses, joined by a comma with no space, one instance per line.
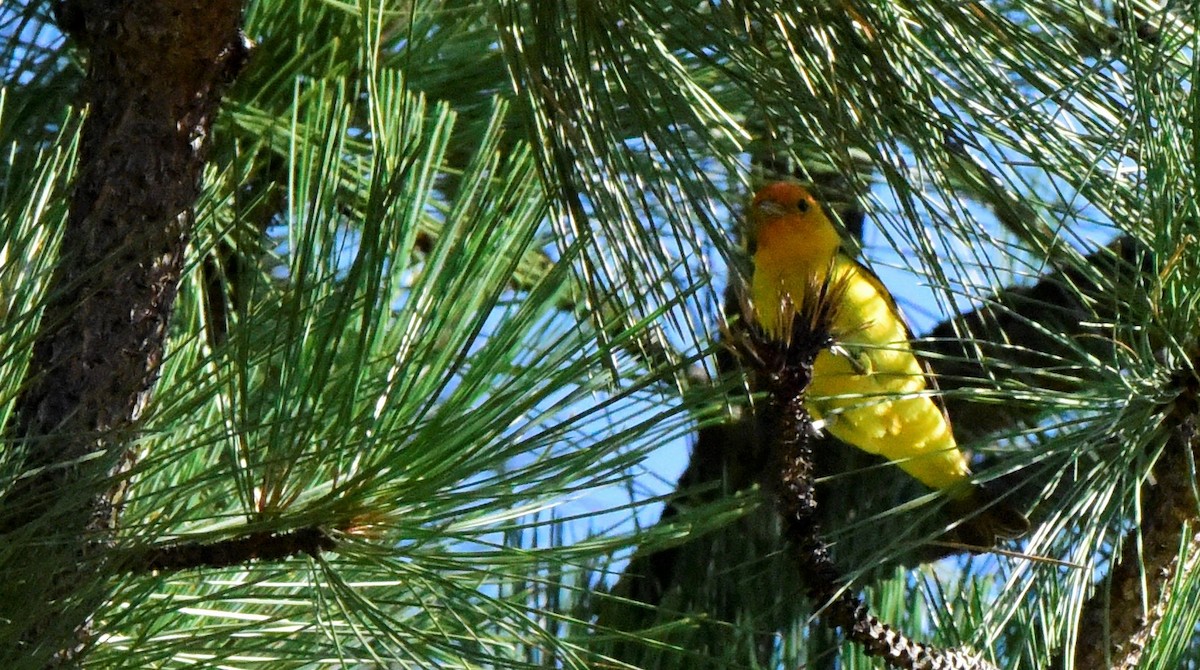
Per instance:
(788,371)
(736,455)
(1024,331)
(1114,625)
(256,546)
(156,72)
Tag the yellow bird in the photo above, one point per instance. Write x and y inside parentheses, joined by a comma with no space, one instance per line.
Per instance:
(869,387)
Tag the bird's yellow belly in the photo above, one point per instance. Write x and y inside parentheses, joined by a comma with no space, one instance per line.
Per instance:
(870,388)
(872,412)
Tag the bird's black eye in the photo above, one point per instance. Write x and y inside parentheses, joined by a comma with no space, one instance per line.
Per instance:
(802,206)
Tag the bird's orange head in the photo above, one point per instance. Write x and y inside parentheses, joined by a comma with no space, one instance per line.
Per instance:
(784,194)
(787,225)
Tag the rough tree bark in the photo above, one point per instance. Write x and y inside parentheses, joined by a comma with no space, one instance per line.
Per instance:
(1126,610)
(155,75)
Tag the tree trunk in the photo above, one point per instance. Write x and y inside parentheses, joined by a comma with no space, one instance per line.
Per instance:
(156,71)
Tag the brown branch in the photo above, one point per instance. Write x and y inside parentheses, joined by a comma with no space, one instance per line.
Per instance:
(225,269)
(1131,649)
(842,608)
(1114,628)
(1024,334)
(788,371)
(256,546)
(706,573)
(156,71)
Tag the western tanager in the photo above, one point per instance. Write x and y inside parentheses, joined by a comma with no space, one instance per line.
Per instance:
(869,388)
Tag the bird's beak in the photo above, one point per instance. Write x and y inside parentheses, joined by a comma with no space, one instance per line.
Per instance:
(761,213)
(769,210)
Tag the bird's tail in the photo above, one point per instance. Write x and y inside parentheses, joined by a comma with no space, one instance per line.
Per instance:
(986,519)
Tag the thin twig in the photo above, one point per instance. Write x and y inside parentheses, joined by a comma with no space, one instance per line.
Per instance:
(256,546)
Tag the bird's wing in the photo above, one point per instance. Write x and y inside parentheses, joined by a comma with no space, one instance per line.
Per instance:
(930,377)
